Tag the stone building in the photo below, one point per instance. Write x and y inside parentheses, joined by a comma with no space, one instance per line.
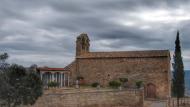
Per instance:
(150,66)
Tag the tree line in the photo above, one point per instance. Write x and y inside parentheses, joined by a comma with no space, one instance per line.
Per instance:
(18,85)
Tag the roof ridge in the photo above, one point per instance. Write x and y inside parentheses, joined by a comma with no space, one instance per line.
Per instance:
(128,51)
(129,54)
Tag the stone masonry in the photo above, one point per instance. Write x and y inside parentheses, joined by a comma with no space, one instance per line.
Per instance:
(109,98)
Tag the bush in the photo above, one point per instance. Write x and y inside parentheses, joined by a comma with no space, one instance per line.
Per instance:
(95,84)
(123,80)
(139,84)
(114,84)
(52,84)
(80,78)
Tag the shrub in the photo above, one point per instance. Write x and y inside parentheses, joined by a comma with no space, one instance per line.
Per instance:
(114,84)
(123,80)
(95,84)
(80,78)
(52,84)
(139,84)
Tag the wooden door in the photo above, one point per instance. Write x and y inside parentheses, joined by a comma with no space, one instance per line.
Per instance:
(150,91)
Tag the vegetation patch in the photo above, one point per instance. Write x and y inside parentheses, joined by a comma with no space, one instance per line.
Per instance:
(52,84)
(114,84)
(139,84)
(95,84)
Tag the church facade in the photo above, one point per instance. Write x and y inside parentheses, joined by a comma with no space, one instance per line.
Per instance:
(150,66)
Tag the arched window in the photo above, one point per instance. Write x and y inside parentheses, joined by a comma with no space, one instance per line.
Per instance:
(83,43)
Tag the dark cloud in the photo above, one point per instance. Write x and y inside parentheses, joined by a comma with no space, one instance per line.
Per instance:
(44,31)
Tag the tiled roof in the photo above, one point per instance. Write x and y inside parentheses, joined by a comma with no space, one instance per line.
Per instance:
(127,54)
(68,67)
(50,69)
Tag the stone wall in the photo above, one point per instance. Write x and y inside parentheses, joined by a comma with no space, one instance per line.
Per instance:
(156,103)
(154,70)
(106,98)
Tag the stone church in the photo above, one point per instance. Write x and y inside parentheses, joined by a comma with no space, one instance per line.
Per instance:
(150,66)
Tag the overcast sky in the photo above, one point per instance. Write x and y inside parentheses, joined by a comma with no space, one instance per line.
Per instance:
(44,32)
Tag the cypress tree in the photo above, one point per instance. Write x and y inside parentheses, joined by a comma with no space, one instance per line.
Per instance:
(178,74)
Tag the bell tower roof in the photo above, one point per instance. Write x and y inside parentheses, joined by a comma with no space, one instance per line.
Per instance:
(83,36)
(82,44)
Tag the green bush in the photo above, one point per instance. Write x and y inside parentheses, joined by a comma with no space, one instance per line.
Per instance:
(114,84)
(52,84)
(95,84)
(139,84)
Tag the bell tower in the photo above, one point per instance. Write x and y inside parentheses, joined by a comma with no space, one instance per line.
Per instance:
(82,44)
